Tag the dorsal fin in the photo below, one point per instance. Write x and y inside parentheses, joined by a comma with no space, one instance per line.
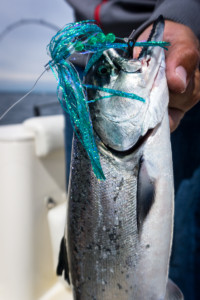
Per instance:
(63,262)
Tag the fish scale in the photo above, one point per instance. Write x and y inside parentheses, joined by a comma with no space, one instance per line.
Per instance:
(102,233)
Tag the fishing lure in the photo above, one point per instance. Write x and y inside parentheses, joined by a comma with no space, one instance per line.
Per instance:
(82,38)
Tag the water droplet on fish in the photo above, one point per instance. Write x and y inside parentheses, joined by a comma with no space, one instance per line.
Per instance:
(116,222)
(111,270)
(104,228)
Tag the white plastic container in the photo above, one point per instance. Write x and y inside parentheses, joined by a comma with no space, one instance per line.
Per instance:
(32,179)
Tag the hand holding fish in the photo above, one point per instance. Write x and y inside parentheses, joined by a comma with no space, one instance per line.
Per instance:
(182,72)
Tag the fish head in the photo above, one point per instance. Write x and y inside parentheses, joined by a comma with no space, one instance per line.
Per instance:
(118,120)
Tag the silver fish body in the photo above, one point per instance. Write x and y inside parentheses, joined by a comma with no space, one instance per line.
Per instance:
(119,231)
(102,234)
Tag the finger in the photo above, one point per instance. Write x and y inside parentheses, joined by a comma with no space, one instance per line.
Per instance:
(183,101)
(182,57)
(175,116)
(190,97)
(196,91)
(181,63)
(179,104)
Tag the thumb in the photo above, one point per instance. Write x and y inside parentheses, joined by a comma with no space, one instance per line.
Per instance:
(182,57)
(181,63)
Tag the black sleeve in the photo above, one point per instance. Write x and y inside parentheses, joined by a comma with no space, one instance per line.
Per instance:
(117,16)
(122,16)
(182,11)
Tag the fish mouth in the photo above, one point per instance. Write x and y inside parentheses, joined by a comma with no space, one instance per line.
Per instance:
(135,147)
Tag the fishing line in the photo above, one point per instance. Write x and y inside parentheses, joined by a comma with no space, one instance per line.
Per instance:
(10,28)
(23,97)
(22,22)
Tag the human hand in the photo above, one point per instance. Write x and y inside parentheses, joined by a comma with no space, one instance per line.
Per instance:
(182,72)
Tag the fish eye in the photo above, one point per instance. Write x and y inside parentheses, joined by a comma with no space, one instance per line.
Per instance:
(103,70)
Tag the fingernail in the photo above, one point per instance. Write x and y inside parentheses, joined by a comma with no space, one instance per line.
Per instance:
(182,74)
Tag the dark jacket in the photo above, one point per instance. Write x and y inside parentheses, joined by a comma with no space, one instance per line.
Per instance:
(121,16)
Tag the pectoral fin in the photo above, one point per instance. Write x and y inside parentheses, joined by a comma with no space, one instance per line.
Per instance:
(62,261)
(145,194)
(173,292)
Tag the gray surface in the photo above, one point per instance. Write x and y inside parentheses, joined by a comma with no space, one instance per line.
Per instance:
(47,104)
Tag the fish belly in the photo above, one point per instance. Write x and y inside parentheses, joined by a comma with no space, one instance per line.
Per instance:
(102,237)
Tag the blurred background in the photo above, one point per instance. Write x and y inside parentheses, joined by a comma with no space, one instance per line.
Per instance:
(32,160)
(23,56)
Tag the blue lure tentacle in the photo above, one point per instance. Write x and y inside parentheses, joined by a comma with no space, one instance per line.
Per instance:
(69,87)
(84,37)
(70,91)
(113,92)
